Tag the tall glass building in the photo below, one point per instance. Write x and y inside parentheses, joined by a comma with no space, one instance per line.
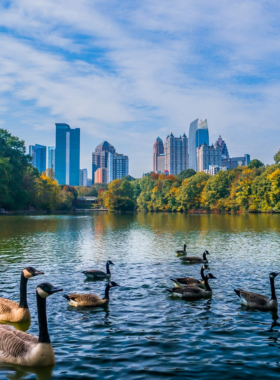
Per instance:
(51,157)
(202,134)
(39,156)
(67,155)
(192,144)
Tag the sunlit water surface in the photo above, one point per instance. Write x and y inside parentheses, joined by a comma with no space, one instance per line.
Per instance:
(147,333)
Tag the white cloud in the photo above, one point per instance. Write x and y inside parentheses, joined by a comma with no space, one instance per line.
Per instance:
(128,72)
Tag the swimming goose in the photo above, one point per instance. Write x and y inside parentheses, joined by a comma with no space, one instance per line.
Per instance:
(259,301)
(194,292)
(98,274)
(189,281)
(11,311)
(196,259)
(90,300)
(24,349)
(182,252)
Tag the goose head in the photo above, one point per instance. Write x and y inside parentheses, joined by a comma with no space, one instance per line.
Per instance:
(46,289)
(185,246)
(206,252)
(31,272)
(273,274)
(109,262)
(205,266)
(113,284)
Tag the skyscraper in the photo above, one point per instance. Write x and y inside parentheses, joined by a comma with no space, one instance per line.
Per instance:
(67,155)
(39,156)
(176,153)
(192,144)
(51,158)
(223,145)
(105,157)
(83,177)
(202,134)
(100,156)
(208,155)
(158,155)
(121,165)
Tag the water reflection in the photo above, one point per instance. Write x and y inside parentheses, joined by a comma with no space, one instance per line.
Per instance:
(145,333)
(17,372)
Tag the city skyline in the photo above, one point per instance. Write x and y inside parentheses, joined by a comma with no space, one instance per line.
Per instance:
(134,80)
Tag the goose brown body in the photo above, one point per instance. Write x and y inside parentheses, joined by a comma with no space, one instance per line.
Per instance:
(96,274)
(259,301)
(194,292)
(20,348)
(195,259)
(189,281)
(90,300)
(11,311)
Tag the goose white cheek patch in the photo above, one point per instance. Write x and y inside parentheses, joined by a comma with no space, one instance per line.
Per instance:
(42,293)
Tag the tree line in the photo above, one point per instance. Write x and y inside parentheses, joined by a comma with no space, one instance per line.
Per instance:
(22,186)
(252,188)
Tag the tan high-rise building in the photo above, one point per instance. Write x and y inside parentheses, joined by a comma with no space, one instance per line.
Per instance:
(208,155)
(176,154)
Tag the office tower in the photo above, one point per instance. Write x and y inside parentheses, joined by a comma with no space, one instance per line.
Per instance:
(120,167)
(192,144)
(51,158)
(208,155)
(158,156)
(39,156)
(223,145)
(105,157)
(100,156)
(83,177)
(202,134)
(67,155)
(89,182)
(176,154)
(100,175)
(234,162)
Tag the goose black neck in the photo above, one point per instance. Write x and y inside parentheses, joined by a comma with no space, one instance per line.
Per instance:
(273,294)
(42,320)
(204,256)
(107,292)
(207,286)
(108,268)
(23,292)
(202,273)
(185,247)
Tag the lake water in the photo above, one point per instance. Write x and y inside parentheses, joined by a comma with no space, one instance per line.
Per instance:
(146,333)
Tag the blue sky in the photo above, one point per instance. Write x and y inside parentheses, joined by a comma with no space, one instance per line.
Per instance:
(129,71)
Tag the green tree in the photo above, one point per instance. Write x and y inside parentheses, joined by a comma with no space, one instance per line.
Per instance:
(255,164)
(186,174)
(277,157)
(119,196)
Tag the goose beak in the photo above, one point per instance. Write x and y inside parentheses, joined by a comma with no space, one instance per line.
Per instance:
(38,272)
(55,290)
(214,277)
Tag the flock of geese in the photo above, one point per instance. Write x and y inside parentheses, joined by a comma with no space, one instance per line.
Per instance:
(21,348)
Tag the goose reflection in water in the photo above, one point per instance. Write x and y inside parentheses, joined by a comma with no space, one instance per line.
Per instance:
(16,372)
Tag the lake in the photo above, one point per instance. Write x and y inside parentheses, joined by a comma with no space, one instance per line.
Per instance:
(146,333)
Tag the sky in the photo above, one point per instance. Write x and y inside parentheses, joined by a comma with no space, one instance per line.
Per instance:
(129,71)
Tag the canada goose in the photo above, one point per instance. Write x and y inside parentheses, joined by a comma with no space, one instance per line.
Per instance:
(194,292)
(189,281)
(24,349)
(91,300)
(257,300)
(182,252)
(98,274)
(196,259)
(11,311)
